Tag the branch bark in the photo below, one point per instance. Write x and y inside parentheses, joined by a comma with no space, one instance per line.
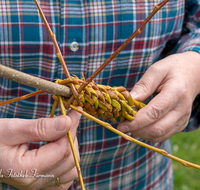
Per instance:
(29,80)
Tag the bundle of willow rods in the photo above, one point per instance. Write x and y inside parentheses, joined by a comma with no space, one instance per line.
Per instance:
(104,101)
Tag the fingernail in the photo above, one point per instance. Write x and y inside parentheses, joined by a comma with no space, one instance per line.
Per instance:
(134,94)
(124,128)
(60,124)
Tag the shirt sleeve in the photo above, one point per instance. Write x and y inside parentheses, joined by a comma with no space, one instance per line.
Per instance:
(190,41)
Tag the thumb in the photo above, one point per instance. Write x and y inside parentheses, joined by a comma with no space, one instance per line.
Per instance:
(148,84)
(19,131)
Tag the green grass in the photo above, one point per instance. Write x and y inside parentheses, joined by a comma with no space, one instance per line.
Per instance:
(186,145)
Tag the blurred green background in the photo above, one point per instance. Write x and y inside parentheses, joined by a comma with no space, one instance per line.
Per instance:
(186,145)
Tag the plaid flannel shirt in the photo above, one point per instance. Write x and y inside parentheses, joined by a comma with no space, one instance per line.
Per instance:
(99,27)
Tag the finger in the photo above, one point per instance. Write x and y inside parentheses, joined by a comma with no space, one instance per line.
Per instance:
(18,131)
(70,176)
(55,158)
(161,127)
(65,165)
(149,82)
(65,170)
(176,129)
(61,187)
(46,157)
(41,161)
(63,147)
(66,178)
(158,107)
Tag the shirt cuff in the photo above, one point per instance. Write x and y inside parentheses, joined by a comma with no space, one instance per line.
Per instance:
(189,42)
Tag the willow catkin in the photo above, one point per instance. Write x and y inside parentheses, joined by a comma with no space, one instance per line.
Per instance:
(105,102)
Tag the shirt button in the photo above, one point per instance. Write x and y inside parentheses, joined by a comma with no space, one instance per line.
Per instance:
(74,46)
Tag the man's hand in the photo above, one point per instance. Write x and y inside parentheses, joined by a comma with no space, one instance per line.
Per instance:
(54,159)
(177,80)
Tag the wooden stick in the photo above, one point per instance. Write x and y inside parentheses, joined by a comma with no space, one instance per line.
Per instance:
(114,54)
(62,107)
(29,80)
(40,91)
(127,137)
(59,54)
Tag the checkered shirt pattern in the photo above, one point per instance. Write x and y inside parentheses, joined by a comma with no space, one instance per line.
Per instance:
(99,27)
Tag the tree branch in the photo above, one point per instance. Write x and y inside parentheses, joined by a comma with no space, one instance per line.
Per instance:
(29,80)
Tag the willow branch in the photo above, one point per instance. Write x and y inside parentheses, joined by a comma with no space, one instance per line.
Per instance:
(58,52)
(129,138)
(29,80)
(114,54)
(135,33)
(72,146)
(21,97)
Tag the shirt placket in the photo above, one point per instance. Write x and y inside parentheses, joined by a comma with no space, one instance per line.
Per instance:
(73,40)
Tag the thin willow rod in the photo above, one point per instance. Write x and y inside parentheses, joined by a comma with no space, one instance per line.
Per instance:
(63,111)
(127,137)
(55,103)
(59,54)
(53,108)
(21,97)
(115,53)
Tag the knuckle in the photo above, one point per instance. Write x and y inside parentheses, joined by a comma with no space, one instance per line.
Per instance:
(182,92)
(155,68)
(142,85)
(184,125)
(67,152)
(188,113)
(40,128)
(157,132)
(154,113)
(75,176)
(136,123)
(188,107)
